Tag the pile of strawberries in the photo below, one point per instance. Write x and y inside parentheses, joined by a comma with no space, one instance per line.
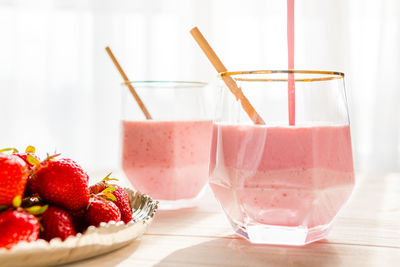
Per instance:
(51,198)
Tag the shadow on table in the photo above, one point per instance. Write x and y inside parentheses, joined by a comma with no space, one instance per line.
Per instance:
(118,256)
(230,251)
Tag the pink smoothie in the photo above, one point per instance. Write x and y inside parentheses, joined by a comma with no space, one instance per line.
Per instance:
(285,176)
(167,160)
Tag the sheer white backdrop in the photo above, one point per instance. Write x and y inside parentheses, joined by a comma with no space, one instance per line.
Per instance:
(59,90)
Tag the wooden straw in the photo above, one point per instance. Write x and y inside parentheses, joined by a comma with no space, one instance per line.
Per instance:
(216,62)
(128,83)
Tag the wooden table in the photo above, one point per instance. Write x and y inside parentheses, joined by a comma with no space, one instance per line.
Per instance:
(366,233)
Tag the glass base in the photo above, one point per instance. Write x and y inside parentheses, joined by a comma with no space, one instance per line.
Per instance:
(180,203)
(281,235)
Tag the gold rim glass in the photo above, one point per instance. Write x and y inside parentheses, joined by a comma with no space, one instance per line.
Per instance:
(320,97)
(279,75)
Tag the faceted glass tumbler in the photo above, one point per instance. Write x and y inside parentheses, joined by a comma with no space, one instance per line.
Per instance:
(281,184)
(167,156)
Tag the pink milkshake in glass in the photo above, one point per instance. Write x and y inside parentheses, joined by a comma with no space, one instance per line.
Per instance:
(167,157)
(281,184)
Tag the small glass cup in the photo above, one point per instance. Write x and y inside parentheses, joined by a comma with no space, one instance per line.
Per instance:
(281,184)
(167,157)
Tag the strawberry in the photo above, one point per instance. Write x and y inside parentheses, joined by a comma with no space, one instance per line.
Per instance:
(121,199)
(29,157)
(31,161)
(25,156)
(13,176)
(123,203)
(78,219)
(56,223)
(63,183)
(17,226)
(98,187)
(101,210)
(31,187)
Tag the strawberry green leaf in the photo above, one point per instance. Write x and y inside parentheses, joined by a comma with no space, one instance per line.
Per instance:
(14,150)
(107,178)
(30,149)
(32,160)
(17,201)
(110,196)
(36,210)
(109,189)
(43,209)
(33,209)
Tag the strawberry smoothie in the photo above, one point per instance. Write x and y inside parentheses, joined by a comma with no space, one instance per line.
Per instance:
(281,176)
(167,160)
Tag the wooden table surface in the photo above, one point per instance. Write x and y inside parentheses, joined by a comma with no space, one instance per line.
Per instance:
(366,233)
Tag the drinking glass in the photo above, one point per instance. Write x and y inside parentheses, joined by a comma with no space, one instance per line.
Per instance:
(167,157)
(281,184)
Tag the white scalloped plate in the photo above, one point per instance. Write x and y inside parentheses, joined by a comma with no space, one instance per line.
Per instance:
(95,240)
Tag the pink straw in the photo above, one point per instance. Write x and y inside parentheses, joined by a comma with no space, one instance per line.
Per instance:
(291,82)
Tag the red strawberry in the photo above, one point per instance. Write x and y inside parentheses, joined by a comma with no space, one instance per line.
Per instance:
(98,187)
(24,157)
(63,183)
(31,187)
(121,199)
(101,210)
(31,161)
(13,176)
(17,226)
(123,203)
(103,184)
(78,218)
(56,223)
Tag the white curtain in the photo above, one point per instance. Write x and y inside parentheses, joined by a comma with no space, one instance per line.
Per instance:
(59,90)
